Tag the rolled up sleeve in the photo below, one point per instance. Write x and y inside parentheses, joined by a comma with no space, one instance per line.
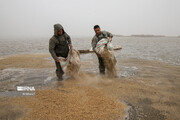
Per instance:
(94,43)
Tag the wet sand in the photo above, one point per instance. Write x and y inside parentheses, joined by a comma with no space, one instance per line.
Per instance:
(146,90)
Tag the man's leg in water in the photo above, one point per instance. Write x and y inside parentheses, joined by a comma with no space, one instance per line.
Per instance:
(59,71)
(101,65)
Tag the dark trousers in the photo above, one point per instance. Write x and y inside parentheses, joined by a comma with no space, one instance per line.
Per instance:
(101,65)
(59,71)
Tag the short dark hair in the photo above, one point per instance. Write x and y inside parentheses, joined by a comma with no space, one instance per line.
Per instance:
(96,26)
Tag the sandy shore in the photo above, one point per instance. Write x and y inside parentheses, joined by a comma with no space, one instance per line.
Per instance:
(150,92)
(26,61)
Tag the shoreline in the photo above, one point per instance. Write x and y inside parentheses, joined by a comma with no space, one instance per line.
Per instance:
(47,57)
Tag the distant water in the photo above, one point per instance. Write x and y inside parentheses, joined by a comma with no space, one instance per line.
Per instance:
(164,49)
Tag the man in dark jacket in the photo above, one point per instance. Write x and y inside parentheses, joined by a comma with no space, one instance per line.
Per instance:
(59,47)
(97,37)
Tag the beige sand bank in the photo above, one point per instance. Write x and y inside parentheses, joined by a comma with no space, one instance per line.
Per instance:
(26,61)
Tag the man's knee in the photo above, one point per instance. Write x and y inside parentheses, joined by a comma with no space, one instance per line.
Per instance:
(59,71)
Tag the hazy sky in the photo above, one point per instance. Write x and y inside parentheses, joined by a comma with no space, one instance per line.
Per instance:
(35,18)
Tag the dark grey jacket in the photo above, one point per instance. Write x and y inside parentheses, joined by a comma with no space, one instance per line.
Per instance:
(97,38)
(56,40)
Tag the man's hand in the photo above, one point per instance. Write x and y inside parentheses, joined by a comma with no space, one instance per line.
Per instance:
(70,45)
(58,60)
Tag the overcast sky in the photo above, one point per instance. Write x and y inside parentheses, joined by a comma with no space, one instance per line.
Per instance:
(35,18)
